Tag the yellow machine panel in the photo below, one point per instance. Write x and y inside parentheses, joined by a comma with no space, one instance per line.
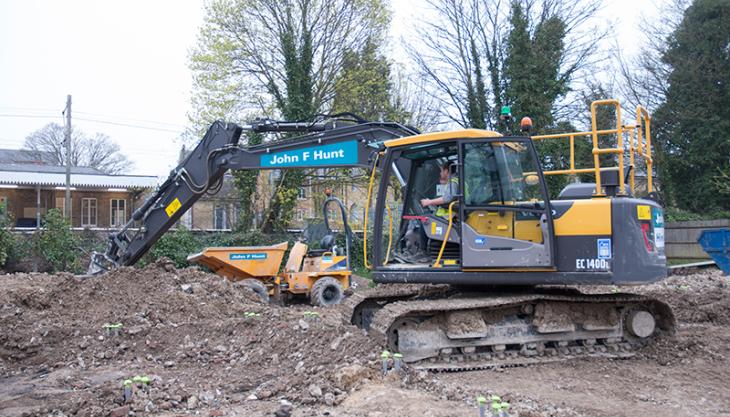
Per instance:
(589,217)
(492,223)
(529,230)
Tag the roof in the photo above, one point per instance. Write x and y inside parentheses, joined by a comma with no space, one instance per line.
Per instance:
(24,156)
(28,168)
(51,169)
(439,136)
(45,175)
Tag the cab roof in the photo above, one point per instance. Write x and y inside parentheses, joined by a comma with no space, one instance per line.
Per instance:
(441,136)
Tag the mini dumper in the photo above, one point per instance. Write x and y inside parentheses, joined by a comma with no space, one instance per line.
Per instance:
(321,274)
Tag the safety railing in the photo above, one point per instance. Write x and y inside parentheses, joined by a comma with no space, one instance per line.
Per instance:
(639,145)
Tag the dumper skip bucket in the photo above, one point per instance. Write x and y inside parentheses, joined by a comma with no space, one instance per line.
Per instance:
(717,244)
(241,262)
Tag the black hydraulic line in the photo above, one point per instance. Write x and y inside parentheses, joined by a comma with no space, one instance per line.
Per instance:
(346,225)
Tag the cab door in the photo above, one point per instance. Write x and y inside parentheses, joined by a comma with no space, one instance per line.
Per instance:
(506,219)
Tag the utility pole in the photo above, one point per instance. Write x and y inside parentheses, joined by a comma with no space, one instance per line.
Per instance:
(67,202)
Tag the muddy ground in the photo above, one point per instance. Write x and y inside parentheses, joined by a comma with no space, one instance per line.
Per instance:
(190,333)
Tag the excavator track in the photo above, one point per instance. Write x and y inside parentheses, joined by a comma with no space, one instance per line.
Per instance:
(440,329)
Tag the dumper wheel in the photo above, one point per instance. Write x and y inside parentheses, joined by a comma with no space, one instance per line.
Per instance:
(257,287)
(326,291)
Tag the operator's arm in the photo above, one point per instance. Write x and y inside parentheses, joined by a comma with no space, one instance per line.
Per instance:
(446,198)
(433,201)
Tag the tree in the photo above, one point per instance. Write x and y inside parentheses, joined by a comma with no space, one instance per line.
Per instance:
(645,76)
(281,59)
(97,151)
(693,123)
(479,56)
(532,78)
(534,82)
(56,242)
(246,185)
(364,86)
(7,241)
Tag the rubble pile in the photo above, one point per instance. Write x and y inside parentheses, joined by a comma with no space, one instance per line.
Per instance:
(201,340)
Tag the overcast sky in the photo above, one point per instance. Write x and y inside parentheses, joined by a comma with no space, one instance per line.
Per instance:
(125,64)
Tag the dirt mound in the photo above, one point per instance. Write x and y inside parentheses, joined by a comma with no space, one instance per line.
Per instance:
(701,297)
(211,348)
(186,329)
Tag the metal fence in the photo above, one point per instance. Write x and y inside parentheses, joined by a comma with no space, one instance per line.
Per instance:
(681,237)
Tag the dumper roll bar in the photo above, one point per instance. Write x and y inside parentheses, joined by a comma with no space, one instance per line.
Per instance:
(345,224)
(325,143)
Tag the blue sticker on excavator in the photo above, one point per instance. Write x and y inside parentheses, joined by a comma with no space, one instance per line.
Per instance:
(343,153)
(604,248)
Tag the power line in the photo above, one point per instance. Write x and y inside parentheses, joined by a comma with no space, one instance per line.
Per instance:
(33,109)
(127,119)
(97,116)
(32,116)
(129,125)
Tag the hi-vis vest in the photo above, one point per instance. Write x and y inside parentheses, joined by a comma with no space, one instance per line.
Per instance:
(443,210)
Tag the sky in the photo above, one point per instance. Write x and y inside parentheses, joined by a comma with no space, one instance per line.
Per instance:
(125,63)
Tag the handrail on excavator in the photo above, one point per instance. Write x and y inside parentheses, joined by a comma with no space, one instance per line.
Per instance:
(639,145)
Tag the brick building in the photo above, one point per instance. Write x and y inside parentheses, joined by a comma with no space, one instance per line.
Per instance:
(29,187)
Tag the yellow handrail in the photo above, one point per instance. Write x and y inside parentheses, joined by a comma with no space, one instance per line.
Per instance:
(390,235)
(437,264)
(618,150)
(367,210)
(643,118)
(639,145)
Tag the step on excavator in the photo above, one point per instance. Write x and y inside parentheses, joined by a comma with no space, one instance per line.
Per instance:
(468,212)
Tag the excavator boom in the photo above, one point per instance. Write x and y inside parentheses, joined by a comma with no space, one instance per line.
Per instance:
(324,144)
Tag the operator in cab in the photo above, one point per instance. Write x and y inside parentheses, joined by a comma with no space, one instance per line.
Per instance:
(450,188)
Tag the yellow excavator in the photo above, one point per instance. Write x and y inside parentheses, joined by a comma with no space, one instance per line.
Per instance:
(469,212)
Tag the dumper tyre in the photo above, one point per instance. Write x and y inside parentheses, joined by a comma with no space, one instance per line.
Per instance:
(258,287)
(326,291)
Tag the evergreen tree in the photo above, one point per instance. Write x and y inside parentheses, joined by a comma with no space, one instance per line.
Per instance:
(364,86)
(533,83)
(532,67)
(693,125)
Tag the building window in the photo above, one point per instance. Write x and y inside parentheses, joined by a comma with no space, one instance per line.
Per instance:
(88,212)
(118,212)
(61,205)
(219,218)
(233,221)
(300,215)
(303,192)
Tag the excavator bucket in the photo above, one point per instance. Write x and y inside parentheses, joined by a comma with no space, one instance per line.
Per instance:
(237,263)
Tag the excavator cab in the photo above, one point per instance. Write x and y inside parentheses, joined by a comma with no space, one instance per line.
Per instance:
(499,214)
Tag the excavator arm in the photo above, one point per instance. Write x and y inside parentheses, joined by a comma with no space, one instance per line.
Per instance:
(324,144)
